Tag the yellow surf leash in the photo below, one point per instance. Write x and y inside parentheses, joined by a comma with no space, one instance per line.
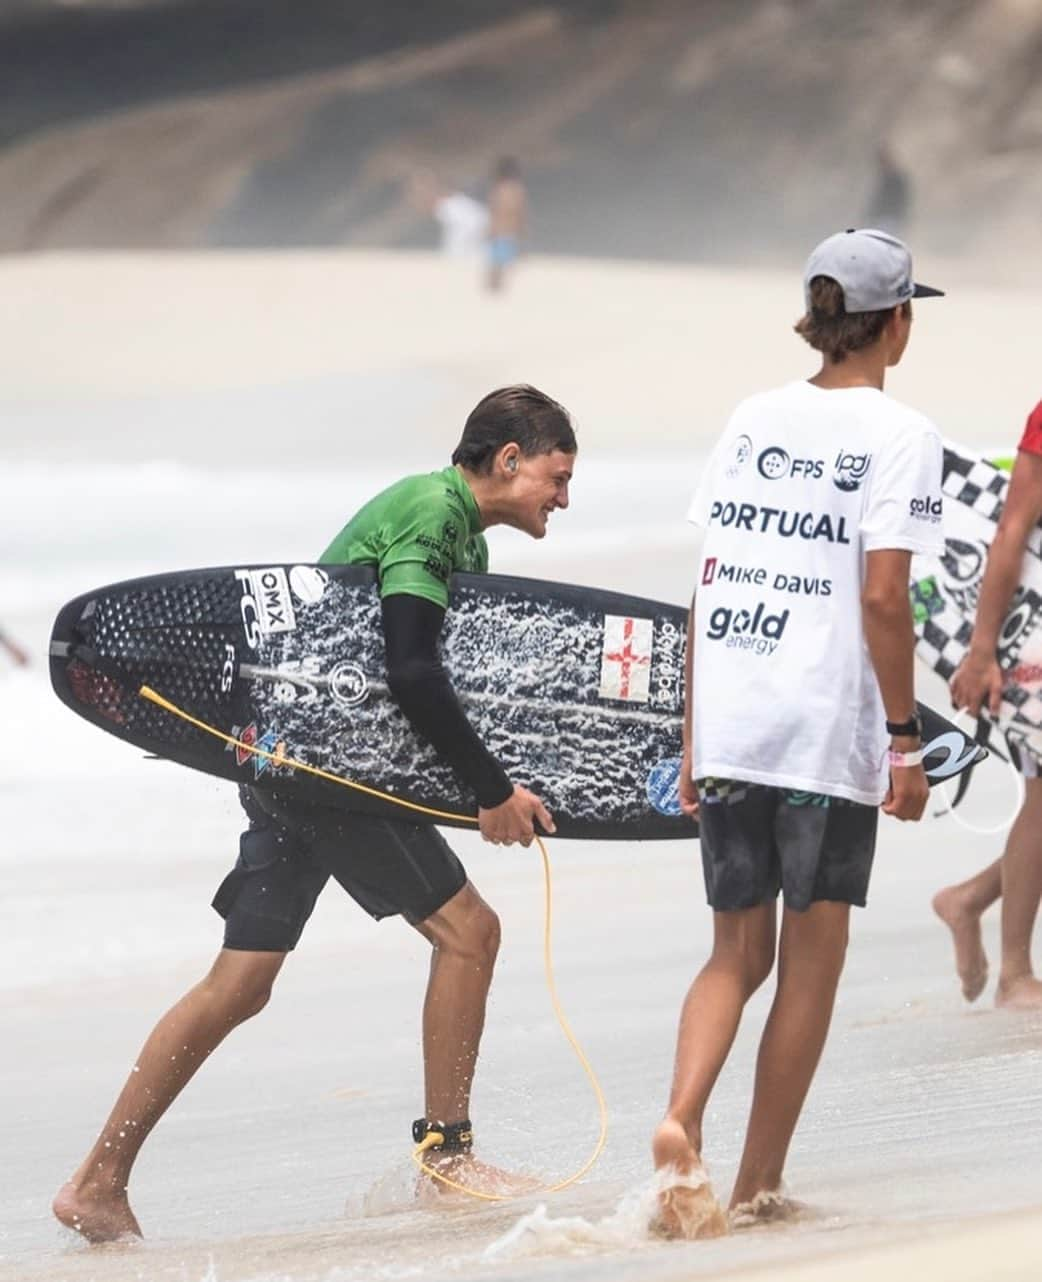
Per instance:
(434,1138)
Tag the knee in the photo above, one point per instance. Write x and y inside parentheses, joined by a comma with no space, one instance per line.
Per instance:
(478,938)
(758,962)
(750,961)
(251,1001)
(486,937)
(238,997)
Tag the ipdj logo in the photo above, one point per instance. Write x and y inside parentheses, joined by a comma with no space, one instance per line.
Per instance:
(774,463)
(741,453)
(850,470)
(754,629)
(926,509)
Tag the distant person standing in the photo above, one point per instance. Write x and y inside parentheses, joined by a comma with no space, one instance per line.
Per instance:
(508,220)
(462,220)
(891,200)
(14,650)
(976,685)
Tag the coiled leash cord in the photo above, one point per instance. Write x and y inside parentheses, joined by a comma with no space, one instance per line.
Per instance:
(435,1138)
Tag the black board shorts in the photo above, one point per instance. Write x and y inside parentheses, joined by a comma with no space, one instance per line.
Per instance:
(758,840)
(290,851)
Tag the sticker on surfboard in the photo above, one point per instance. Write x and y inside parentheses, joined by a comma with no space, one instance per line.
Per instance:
(626,659)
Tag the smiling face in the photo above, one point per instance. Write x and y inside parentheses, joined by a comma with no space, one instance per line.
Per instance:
(533,487)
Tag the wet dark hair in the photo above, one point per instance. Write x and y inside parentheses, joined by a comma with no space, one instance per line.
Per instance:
(830,329)
(519,414)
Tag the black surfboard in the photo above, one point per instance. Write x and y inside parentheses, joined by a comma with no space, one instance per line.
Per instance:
(578,692)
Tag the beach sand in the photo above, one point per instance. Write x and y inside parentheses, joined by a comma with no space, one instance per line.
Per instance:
(287,1158)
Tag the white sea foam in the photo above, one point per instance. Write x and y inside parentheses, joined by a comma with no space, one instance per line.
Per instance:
(541,1233)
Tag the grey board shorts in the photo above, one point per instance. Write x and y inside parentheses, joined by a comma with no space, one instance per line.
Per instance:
(290,851)
(758,840)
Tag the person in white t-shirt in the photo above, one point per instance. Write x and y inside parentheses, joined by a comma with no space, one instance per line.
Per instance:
(801,717)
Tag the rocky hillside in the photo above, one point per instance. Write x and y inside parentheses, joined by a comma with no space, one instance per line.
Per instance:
(693,129)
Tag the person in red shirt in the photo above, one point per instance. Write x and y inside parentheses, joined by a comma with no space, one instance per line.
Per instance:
(977,683)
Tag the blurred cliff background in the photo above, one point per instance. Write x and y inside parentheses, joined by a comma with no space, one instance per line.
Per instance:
(696,130)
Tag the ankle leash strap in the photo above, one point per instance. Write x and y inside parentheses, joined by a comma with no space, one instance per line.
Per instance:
(437,1137)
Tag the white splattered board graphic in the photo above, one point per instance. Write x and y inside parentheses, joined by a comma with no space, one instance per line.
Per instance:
(577,692)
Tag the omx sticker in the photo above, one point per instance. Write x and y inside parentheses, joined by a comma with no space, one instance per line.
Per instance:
(265,604)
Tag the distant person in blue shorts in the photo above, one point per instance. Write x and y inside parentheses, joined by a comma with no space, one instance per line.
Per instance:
(507,221)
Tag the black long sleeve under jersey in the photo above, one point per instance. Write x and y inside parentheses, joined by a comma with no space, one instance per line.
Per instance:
(420,684)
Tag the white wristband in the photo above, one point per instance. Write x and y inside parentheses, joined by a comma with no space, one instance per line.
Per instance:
(902,760)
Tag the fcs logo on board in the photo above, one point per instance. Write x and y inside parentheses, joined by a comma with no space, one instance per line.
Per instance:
(849,470)
(775,464)
(754,630)
(265,604)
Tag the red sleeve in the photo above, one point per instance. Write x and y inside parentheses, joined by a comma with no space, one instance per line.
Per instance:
(1032,438)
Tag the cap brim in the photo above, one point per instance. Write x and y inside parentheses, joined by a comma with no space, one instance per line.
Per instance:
(926,291)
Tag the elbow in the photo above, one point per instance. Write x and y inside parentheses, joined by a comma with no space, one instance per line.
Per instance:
(407,677)
(404,677)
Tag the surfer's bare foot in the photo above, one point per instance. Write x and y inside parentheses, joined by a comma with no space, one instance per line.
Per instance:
(461,1174)
(686,1205)
(1022,993)
(768,1207)
(964,923)
(98,1214)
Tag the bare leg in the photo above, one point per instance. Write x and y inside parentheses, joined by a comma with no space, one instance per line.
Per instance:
(1021,889)
(465,939)
(742,957)
(810,961)
(960,908)
(94,1201)
(464,935)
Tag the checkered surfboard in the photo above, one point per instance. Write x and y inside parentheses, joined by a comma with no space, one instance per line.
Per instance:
(945,592)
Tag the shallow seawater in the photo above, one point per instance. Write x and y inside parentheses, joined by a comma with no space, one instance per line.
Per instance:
(286,1160)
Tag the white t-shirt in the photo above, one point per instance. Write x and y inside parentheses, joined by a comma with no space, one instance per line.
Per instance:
(801,485)
(463,222)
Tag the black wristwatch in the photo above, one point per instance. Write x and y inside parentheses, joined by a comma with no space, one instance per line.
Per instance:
(912,728)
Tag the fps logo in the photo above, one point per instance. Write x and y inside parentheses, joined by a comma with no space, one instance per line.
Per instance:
(774,463)
(754,630)
(850,470)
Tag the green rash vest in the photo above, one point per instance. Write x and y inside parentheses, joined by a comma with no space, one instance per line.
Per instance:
(416,533)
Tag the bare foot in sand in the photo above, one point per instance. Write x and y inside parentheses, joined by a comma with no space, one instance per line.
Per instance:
(970,960)
(457,1174)
(687,1207)
(98,1214)
(1024,993)
(774,1207)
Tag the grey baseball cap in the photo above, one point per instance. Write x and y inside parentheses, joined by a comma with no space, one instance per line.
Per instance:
(873,268)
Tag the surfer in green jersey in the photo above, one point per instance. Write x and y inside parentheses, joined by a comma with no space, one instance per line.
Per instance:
(512,466)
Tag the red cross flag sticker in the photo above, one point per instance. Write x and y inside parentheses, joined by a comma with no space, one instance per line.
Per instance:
(626,658)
